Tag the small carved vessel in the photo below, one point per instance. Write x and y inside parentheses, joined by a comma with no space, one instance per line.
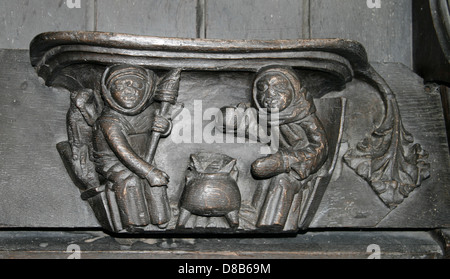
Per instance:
(211,189)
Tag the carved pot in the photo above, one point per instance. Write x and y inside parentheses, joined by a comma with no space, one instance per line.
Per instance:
(211,195)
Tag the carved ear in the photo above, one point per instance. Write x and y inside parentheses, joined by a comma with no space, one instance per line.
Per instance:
(229,167)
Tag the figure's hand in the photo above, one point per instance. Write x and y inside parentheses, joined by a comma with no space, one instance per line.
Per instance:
(162,125)
(157,178)
(269,166)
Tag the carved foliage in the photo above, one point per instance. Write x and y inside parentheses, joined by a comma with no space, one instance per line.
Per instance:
(388,159)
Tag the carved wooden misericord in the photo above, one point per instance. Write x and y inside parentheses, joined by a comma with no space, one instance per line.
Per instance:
(271,148)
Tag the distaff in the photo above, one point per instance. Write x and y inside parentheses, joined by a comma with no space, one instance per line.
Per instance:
(167,94)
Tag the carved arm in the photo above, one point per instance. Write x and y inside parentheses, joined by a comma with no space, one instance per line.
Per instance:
(121,147)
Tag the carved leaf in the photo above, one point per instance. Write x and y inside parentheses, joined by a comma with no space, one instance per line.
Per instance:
(388,159)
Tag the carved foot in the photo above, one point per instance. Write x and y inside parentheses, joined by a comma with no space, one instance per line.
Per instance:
(233,218)
(163,226)
(183,218)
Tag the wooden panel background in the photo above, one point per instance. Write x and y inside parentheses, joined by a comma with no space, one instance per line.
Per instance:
(385,31)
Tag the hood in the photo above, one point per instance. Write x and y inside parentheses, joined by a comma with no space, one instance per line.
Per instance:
(117,71)
(302,104)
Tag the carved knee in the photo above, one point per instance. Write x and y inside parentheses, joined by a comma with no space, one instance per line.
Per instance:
(127,185)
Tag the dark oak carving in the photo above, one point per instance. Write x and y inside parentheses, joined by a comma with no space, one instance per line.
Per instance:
(124,93)
(303,145)
(211,189)
(388,158)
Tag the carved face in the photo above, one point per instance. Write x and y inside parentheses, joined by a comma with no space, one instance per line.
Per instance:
(128,91)
(274,92)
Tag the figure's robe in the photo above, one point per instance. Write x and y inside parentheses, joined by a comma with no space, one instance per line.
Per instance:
(302,150)
(120,143)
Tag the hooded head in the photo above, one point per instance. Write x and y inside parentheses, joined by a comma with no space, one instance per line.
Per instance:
(279,90)
(128,89)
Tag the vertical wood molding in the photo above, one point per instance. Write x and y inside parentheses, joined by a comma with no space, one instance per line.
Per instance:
(91,15)
(306,19)
(95,15)
(201,19)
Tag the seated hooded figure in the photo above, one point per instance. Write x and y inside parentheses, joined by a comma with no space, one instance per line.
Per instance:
(136,189)
(302,141)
